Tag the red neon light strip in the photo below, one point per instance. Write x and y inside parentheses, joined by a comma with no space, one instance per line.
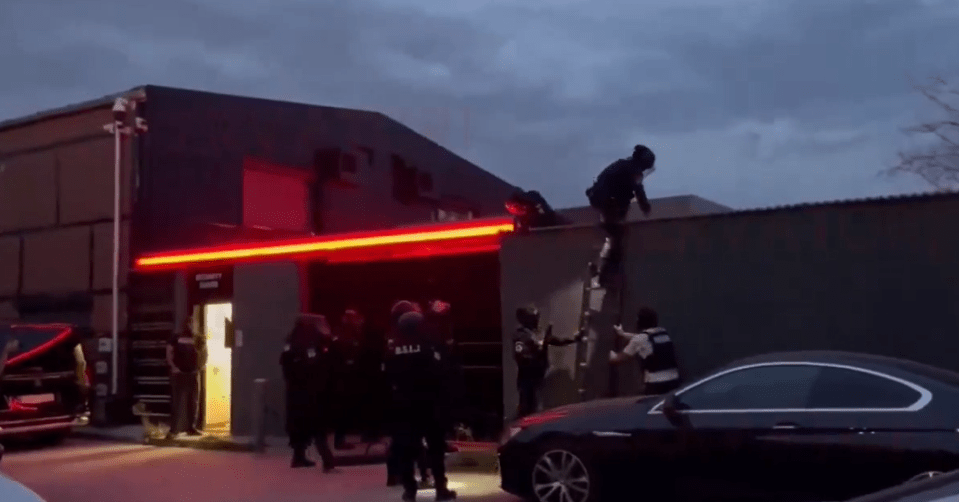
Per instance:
(438,234)
(46,346)
(412,255)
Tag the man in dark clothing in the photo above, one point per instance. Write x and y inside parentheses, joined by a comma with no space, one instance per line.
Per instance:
(307,372)
(531,210)
(417,372)
(611,194)
(439,319)
(531,352)
(653,349)
(392,458)
(186,356)
(347,341)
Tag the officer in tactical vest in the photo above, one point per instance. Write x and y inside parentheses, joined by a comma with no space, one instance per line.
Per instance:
(417,372)
(186,356)
(392,458)
(611,194)
(531,352)
(653,349)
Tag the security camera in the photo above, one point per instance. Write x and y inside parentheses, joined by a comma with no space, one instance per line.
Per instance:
(121,108)
(140,124)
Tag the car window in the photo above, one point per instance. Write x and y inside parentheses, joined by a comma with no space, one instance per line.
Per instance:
(845,388)
(764,387)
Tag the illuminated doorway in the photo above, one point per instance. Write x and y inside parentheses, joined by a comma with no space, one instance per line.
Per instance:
(219,368)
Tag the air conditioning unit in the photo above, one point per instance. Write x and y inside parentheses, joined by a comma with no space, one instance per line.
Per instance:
(426,186)
(333,165)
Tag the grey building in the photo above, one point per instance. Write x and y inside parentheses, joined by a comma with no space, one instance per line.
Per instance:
(267,283)
(211,169)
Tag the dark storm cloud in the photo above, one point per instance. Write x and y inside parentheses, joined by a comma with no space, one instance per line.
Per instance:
(739,97)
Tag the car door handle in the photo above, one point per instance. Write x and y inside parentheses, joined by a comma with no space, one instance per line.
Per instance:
(785,426)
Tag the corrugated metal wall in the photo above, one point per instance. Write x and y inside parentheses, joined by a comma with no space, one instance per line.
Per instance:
(873,276)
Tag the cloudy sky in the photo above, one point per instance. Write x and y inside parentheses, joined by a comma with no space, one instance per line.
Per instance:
(746,102)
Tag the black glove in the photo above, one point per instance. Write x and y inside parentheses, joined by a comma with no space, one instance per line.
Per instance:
(646,208)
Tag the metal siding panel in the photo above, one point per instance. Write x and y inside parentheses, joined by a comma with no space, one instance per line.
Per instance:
(86,180)
(101,318)
(28,185)
(57,261)
(55,130)
(103,255)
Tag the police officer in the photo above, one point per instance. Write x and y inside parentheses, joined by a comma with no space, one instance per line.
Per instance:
(611,194)
(186,356)
(416,370)
(652,347)
(531,352)
(347,342)
(306,363)
(392,458)
(439,318)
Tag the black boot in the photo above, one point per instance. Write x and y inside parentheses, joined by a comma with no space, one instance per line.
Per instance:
(409,496)
(392,480)
(300,460)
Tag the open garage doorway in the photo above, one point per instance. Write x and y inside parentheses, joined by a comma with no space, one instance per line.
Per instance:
(470,283)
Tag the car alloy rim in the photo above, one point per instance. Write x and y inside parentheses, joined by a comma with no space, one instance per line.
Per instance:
(560,476)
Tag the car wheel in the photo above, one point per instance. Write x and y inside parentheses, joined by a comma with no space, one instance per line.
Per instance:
(561,475)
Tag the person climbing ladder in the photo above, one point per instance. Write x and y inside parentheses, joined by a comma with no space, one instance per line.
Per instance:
(611,193)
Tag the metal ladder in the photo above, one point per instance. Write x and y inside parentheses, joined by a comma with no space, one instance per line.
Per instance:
(592,301)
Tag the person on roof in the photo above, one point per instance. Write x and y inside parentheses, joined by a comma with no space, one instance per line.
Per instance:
(614,188)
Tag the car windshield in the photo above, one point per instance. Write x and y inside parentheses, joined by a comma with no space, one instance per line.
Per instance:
(32,337)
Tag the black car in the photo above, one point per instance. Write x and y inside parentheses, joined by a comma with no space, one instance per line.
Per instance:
(926,488)
(44,383)
(800,426)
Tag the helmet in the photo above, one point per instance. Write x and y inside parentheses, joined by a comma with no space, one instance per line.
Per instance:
(528,316)
(644,156)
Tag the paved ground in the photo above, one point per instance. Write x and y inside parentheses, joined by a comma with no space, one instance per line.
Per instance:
(83,470)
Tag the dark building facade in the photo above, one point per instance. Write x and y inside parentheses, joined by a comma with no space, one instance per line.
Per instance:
(209,169)
(877,276)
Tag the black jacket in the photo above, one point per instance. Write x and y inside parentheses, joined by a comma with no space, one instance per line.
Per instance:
(308,374)
(417,372)
(532,354)
(616,186)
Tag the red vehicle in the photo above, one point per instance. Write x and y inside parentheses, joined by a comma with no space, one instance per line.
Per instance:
(44,383)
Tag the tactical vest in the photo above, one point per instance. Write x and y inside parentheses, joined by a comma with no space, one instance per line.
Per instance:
(661,364)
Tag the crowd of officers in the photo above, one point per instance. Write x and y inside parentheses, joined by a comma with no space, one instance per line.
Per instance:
(421,384)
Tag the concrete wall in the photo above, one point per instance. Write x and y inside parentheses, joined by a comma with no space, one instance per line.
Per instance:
(873,276)
(266,302)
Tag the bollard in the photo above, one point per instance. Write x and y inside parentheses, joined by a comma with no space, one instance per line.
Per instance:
(258,418)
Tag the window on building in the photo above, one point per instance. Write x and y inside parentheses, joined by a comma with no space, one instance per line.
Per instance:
(405,187)
(275,197)
(426,182)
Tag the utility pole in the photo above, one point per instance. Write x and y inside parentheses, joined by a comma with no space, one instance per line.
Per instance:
(123,110)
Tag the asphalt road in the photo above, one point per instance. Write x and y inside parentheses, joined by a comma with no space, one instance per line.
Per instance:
(92,471)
